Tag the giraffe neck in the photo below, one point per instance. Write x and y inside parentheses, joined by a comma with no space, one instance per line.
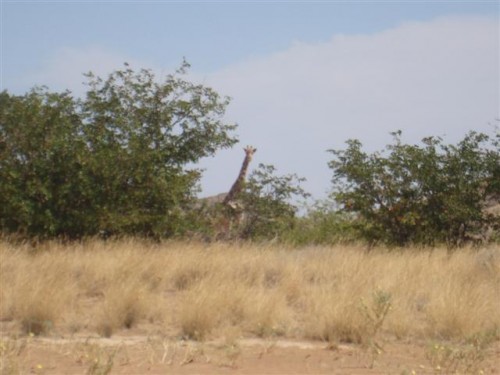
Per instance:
(238,184)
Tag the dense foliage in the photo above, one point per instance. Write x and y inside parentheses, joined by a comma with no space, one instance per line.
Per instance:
(119,161)
(267,199)
(425,194)
(112,163)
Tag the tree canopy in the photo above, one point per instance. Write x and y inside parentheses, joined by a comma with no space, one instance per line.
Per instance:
(427,193)
(121,161)
(113,162)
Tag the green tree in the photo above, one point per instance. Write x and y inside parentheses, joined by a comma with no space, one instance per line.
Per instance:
(114,162)
(268,199)
(42,182)
(418,194)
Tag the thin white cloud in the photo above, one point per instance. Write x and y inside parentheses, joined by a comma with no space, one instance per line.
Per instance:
(425,78)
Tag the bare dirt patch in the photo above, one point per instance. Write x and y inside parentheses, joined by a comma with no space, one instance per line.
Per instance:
(130,354)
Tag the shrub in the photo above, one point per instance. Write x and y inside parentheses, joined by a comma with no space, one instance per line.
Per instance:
(112,163)
(419,194)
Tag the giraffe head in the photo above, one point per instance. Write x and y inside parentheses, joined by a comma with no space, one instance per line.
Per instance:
(249,151)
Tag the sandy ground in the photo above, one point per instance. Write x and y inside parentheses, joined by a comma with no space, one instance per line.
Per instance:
(129,354)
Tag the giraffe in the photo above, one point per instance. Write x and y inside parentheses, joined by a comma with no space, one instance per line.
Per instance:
(225,209)
(233,208)
(231,198)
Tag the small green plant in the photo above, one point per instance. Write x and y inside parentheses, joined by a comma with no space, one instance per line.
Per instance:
(375,314)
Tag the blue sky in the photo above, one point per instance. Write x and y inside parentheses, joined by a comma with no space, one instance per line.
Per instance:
(304,76)
(209,34)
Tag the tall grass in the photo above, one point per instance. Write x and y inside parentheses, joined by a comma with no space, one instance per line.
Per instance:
(202,291)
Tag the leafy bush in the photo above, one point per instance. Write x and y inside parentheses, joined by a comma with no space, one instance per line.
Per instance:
(322,224)
(114,162)
(268,201)
(419,194)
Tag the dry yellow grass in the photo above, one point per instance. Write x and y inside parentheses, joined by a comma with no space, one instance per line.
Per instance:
(205,291)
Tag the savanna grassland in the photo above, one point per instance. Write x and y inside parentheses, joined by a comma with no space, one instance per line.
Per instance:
(130,306)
